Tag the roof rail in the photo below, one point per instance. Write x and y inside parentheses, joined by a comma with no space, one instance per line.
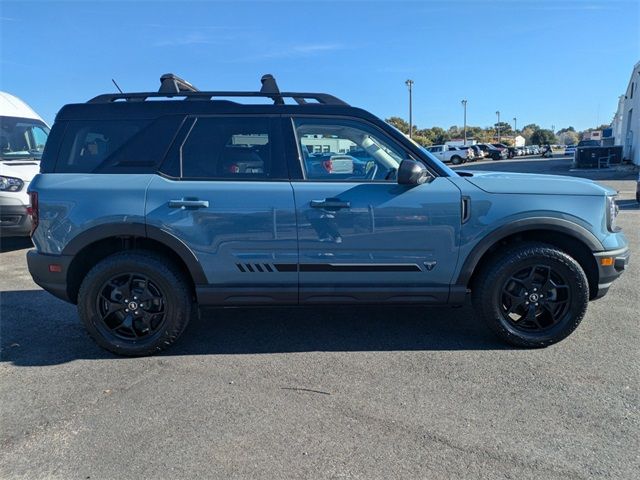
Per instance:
(173,86)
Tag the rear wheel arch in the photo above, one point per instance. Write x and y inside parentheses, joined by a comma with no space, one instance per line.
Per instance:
(98,243)
(572,239)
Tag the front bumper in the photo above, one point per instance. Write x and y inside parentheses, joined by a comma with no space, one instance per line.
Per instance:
(611,264)
(15,221)
(53,282)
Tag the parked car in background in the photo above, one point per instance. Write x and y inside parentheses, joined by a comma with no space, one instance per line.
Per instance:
(492,152)
(570,150)
(470,152)
(449,154)
(23,135)
(477,152)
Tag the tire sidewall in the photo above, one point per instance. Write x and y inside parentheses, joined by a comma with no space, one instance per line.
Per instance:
(563,265)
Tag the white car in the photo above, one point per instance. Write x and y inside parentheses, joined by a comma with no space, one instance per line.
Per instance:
(23,135)
(448,153)
(570,150)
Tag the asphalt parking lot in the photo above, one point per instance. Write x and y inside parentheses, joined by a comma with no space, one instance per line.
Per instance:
(324,393)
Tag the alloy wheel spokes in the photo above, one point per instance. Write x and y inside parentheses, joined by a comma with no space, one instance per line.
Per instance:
(131,306)
(535,298)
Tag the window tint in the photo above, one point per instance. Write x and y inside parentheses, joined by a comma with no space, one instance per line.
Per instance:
(346,150)
(87,145)
(230,148)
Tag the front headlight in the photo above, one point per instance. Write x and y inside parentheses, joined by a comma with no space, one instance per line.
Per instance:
(10,184)
(612,213)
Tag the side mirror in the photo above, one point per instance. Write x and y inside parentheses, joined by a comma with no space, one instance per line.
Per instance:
(411,172)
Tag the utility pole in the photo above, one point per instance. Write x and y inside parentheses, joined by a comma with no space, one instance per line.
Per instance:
(464,105)
(515,125)
(409,84)
(498,124)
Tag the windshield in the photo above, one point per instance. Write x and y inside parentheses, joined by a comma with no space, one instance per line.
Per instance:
(22,137)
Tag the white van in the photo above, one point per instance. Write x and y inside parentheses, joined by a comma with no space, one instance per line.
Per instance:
(22,137)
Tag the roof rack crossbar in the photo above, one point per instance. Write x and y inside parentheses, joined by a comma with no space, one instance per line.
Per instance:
(298,97)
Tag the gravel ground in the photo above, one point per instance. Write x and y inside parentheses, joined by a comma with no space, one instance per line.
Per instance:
(361,393)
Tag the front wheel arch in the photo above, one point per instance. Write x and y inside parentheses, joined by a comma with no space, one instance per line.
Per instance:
(578,246)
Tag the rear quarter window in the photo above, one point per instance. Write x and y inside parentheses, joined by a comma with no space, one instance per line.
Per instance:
(88,144)
(114,146)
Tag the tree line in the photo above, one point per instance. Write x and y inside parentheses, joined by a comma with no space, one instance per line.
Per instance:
(532,133)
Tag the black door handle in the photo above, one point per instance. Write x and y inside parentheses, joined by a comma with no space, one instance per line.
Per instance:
(330,204)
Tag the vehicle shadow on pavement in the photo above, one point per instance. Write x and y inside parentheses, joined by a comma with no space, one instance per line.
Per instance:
(11,244)
(37,329)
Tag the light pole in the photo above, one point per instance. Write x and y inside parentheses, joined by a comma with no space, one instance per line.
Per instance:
(409,84)
(498,124)
(515,125)
(464,105)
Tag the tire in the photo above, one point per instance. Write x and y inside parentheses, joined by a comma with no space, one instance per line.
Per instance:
(515,284)
(158,309)
(456,160)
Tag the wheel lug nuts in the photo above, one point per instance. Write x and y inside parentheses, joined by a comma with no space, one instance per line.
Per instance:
(126,309)
(526,303)
(536,304)
(535,289)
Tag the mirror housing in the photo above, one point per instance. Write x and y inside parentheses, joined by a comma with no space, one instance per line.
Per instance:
(411,172)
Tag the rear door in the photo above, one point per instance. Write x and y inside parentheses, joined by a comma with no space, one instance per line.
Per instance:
(225,194)
(363,237)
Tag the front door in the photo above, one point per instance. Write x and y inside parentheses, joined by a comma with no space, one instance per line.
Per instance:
(230,202)
(362,237)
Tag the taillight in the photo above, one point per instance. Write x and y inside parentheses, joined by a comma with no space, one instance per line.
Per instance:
(34,211)
(328,166)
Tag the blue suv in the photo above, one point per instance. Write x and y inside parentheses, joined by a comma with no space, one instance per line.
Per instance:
(150,204)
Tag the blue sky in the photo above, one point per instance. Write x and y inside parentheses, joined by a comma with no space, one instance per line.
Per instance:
(547,62)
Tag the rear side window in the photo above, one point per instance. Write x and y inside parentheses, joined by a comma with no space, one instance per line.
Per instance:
(230,148)
(87,145)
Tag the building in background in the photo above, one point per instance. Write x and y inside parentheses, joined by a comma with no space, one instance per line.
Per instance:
(626,122)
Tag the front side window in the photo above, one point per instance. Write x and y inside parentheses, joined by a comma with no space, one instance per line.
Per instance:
(230,148)
(22,137)
(346,150)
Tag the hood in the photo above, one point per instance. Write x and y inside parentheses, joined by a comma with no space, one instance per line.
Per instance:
(528,183)
(25,169)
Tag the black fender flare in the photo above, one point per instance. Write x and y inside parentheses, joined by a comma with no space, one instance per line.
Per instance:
(560,225)
(138,229)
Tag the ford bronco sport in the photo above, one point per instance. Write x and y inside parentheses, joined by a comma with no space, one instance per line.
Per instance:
(150,204)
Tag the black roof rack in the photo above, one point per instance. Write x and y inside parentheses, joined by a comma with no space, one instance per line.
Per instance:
(173,86)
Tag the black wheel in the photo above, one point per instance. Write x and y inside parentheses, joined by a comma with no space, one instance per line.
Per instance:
(135,303)
(532,295)
(456,160)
